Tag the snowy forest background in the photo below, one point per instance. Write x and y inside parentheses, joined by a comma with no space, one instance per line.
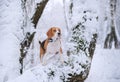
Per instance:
(90,40)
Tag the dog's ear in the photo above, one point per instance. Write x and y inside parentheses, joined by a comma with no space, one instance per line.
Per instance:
(49,33)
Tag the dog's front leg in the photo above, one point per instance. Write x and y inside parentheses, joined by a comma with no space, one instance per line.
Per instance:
(61,58)
(45,58)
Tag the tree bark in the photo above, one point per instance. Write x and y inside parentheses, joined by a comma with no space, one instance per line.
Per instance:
(67,26)
(38,12)
(92,45)
(25,44)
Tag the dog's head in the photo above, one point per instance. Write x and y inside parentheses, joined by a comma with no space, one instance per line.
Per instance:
(54,33)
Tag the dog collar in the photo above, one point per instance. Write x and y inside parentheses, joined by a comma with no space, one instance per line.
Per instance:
(50,40)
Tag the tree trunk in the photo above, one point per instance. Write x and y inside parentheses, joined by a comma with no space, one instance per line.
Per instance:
(112,37)
(38,12)
(25,44)
(92,45)
(67,26)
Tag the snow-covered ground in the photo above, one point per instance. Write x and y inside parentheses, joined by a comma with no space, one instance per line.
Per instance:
(54,71)
(105,66)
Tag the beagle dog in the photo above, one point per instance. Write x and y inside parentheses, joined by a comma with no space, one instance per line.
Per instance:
(51,46)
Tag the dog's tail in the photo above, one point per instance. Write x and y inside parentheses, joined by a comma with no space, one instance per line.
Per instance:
(40,43)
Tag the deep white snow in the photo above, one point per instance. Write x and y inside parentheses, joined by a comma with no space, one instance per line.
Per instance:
(10,36)
(105,66)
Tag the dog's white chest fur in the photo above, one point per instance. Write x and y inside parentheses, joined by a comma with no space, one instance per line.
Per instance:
(53,47)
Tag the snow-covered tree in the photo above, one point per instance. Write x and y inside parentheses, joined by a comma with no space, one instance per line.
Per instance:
(112,35)
(28,34)
(78,38)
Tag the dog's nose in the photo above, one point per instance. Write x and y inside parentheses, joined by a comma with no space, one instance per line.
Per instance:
(58,33)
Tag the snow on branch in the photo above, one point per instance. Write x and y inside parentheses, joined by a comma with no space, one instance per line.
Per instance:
(74,69)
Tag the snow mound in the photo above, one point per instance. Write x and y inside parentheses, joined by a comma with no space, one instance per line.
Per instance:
(105,66)
(56,71)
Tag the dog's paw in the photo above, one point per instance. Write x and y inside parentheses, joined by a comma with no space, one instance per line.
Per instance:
(44,63)
(62,62)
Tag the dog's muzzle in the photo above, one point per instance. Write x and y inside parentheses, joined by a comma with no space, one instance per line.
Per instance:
(59,34)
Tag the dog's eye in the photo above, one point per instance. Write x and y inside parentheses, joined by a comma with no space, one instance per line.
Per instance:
(54,30)
(59,30)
